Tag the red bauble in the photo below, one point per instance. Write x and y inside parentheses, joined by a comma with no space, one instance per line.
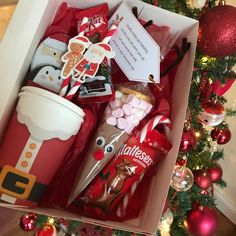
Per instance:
(27,222)
(202,221)
(202,179)
(220,89)
(213,113)
(221,136)
(188,141)
(215,173)
(47,230)
(217,31)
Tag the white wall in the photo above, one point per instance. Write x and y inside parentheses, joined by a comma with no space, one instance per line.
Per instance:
(226,198)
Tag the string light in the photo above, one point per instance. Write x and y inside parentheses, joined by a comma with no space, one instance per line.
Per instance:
(198,134)
(165,222)
(51,221)
(206,60)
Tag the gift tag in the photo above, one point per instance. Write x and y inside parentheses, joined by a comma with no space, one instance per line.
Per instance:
(137,53)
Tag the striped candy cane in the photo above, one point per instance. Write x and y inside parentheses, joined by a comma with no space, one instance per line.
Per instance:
(77,84)
(155,2)
(160,119)
(66,82)
(83,26)
(121,210)
(110,34)
(73,90)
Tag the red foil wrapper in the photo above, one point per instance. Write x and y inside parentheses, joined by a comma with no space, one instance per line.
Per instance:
(98,23)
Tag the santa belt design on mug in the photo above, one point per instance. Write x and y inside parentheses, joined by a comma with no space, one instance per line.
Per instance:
(20,174)
(16,184)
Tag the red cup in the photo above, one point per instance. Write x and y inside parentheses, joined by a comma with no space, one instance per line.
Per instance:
(40,133)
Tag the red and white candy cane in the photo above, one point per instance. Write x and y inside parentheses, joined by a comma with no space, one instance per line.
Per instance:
(109,34)
(84,25)
(66,82)
(159,119)
(121,210)
(73,90)
(155,3)
(77,84)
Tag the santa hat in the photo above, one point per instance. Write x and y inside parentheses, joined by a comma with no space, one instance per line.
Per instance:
(58,41)
(107,50)
(81,39)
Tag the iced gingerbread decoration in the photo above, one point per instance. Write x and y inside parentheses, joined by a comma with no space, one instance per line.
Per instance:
(44,126)
(121,117)
(50,51)
(77,47)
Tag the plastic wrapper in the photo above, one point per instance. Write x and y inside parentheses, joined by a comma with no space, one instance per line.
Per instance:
(98,23)
(112,190)
(121,117)
(162,36)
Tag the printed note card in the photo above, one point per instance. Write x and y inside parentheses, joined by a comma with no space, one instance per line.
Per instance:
(137,54)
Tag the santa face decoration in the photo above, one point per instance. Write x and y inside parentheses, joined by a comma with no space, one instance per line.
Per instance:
(88,66)
(47,77)
(213,113)
(49,52)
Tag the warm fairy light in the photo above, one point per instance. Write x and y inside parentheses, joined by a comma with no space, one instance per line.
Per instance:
(197,134)
(209,139)
(51,221)
(207,59)
(204,60)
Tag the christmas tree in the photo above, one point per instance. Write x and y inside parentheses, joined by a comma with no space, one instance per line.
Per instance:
(190,202)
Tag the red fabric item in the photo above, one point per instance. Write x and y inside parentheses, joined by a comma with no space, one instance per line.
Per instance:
(220,89)
(64,22)
(60,187)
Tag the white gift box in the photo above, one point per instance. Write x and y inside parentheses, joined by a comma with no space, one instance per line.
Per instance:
(25,30)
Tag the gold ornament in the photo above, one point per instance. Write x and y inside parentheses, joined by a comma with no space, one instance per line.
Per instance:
(196,3)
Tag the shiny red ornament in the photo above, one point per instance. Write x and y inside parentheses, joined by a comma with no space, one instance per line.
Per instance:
(33,216)
(47,230)
(202,179)
(27,223)
(188,141)
(181,160)
(215,173)
(213,113)
(202,221)
(220,89)
(221,136)
(217,31)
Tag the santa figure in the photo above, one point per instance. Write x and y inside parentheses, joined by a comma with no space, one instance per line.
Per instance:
(93,57)
(50,51)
